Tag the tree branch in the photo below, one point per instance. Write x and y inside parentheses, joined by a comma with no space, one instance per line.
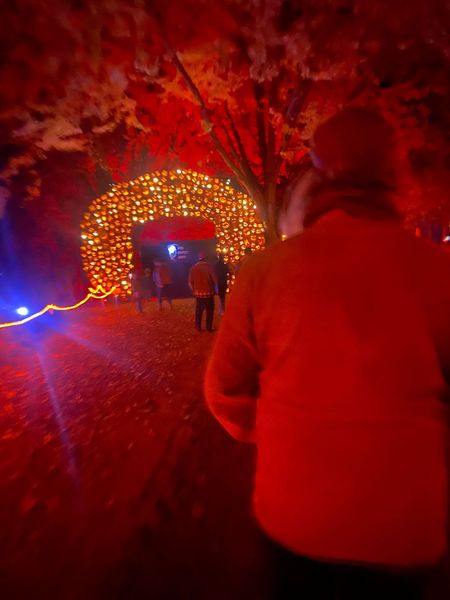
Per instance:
(272,158)
(260,125)
(231,144)
(237,138)
(356,91)
(243,158)
(296,103)
(206,116)
(293,109)
(189,82)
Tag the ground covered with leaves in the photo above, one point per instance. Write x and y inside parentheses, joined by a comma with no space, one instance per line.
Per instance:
(115,482)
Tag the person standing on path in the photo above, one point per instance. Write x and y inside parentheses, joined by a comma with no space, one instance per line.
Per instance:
(342,379)
(162,278)
(137,283)
(223,273)
(203,282)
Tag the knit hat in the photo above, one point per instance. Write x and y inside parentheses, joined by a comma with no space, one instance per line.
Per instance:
(355,146)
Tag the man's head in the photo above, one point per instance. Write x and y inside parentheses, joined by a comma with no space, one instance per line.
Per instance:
(355,146)
(202,255)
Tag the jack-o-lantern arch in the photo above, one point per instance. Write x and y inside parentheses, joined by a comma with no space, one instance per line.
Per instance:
(106,247)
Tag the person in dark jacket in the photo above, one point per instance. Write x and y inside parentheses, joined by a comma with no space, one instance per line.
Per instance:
(162,278)
(333,357)
(223,273)
(242,260)
(202,281)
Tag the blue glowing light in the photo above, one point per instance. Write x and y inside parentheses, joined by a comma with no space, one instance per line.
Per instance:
(172,249)
(22,311)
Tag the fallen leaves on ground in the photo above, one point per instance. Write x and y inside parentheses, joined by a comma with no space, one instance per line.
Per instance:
(103,436)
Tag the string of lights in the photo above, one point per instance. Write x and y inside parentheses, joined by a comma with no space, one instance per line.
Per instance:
(106,245)
(98,293)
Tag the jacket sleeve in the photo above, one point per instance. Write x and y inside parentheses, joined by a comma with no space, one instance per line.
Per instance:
(232,382)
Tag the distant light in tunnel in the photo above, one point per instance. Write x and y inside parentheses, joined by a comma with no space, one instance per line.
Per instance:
(172,250)
(23,311)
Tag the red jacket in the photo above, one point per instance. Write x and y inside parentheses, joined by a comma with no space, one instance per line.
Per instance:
(333,357)
(202,280)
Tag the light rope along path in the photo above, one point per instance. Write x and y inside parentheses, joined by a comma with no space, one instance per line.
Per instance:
(98,293)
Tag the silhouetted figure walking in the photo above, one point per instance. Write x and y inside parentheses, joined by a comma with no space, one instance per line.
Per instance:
(202,281)
(162,278)
(222,271)
(137,286)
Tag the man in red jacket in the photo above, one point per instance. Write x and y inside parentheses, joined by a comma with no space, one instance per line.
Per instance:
(203,283)
(334,359)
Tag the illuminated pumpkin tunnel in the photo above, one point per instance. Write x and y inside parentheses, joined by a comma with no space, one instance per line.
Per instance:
(107,226)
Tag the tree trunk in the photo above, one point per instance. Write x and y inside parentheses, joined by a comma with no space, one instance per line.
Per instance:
(271,224)
(265,205)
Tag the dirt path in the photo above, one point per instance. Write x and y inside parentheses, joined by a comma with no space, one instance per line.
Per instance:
(115,481)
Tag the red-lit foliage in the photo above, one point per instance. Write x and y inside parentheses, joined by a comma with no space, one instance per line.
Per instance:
(232,87)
